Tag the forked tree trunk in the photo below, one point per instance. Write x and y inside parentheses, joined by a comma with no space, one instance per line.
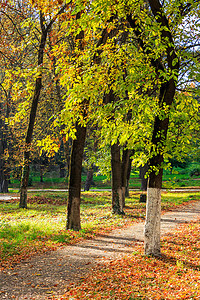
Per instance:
(125,167)
(74,197)
(117,206)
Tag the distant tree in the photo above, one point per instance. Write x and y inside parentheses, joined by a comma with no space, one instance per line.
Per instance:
(45,27)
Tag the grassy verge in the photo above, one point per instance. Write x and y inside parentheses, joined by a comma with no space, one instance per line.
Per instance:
(178,178)
(175,275)
(42,225)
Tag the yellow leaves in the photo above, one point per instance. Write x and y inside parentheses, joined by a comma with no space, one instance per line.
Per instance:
(49,144)
(46,5)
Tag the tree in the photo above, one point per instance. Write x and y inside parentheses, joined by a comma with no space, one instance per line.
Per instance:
(45,27)
(166,97)
(154,57)
(161,123)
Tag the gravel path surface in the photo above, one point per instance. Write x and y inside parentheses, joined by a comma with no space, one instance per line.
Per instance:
(45,276)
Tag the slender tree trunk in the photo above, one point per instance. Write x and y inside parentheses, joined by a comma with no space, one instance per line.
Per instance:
(117,205)
(24,181)
(74,198)
(28,139)
(129,173)
(38,86)
(143,171)
(41,173)
(3,177)
(3,171)
(125,167)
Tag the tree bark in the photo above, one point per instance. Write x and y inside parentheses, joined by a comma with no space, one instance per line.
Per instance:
(117,205)
(124,171)
(74,196)
(3,171)
(28,139)
(129,173)
(166,97)
(153,208)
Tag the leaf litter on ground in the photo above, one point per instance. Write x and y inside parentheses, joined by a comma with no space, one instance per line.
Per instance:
(174,275)
(42,227)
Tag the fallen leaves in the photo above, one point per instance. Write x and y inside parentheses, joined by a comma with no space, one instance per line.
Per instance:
(24,233)
(175,275)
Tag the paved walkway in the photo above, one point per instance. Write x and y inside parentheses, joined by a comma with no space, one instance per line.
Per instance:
(50,274)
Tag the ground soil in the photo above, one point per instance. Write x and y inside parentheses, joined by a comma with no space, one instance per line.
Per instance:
(50,275)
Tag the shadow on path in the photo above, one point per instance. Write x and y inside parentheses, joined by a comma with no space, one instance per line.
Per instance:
(51,274)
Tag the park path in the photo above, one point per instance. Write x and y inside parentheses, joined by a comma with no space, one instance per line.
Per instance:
(49,275)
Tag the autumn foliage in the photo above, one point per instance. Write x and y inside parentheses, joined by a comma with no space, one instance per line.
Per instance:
(175,275)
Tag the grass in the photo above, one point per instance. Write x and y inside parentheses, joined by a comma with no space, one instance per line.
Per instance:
(175,275)
(42,226)
(177,178)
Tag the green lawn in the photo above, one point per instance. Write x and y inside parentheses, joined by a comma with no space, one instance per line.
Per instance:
(177,178)
(42,226)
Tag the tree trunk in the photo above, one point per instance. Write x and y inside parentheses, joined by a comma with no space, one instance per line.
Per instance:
(153,208)
(117,206)
(89,179)
(74,198)
(38,86)
(24,183)
(129,174)
(68,149)
(125,167)
(28,139)
(166,97)
(41,173)
(3,175)
(3,178)
(3,146)
(143,171)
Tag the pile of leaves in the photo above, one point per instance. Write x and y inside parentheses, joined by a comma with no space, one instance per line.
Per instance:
(174,275)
